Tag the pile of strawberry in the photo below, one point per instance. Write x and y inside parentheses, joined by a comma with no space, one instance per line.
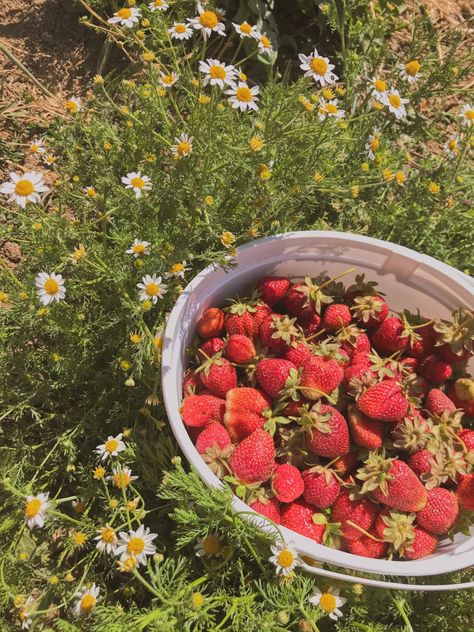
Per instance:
(334,418)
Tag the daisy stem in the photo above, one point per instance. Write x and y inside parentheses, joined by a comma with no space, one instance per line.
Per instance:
(313,625)
(124,495)
(7,52)
(463,155)
(148,586)
(59,514)
(401,610)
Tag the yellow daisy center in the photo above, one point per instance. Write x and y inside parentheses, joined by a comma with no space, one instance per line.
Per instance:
(138,248)
(184,148)
(412,68)
(331,108)
(453,143)
(168,79)
(327,602)
(152,289)
(211,544)
(32,507)
(197,599)
(208,19)
(121,479)
(87,603)
(285,558)
(394,100)
(245,28)
(469,114)
(244,94)
(177,268)
(265,41)
(158,3)
(111,445)
(135,546)
(34,148)
(124,13)
(180,28)
(51,286)
(72,107)
(374,143)
(380,85)
(80,538)
(217,72)
(24,188)
(319,66)
(138,183)
(108,535)
(129,564)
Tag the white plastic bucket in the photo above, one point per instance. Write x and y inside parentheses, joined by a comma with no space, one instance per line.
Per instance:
(409,279)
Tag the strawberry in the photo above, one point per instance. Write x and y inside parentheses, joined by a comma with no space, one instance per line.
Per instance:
(272,374)
(448,354)
(272,289)
(298,516)
(440,512)
(388,337)
(214,434)
(298,354)
(465,492)
(296,301)
(383,401)
(435,369)
(423,544)
(210,348)
(437,402)
(409,365)
(462,394)
(253,458)
(367,547)
(361,357)
(361,511)
(269,508)
(336,316)
(287,482)
(467,437)
(239,349)
(346,463)
(243,411)
(365,432)
(277,332)
(191,383)
(357,371)
(327,433)
(211,323)
(423,344)
(421,462)
(370,311)
(240,320)
(310,324)
(356,343)
(219,376)
(392,482)
(321,487)
(198,410)
(320,375)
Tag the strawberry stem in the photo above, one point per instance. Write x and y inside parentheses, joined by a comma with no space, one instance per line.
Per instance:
(366,533)
(338,276)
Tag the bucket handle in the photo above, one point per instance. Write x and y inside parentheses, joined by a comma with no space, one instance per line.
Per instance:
(384,584)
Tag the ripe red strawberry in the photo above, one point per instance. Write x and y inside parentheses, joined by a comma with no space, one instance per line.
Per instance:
(198,410)
(346,463)
(240,320)
(273,289)
(440,512)
(409,365)
(361,344)
(365,432)
(310,324)
(243,411)
(252,460)
(296,301)
(437,402)
(462,394)
(465,492)
(422,346)
(361,357)
(210,348)
(287,482)
(357,371)
(361,511)
(191,383)
(298,354)
(380,525)
(239,349)
(424,544)
(367,547)
(421,462)
(448,354)
(269,508)
(219,377)
(272,373)
(211,323)
(262,310)
(320,374)
(388,337)
(321,487)
(370,311)
(277,332)
(327,433)
(435,369)
(214,434)
(467,437)
(293,408)
(383,401)
(336,316)
(298,516)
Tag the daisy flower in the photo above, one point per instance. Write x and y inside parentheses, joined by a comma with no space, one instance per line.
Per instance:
(136,544)
(158,5)
(379,90)
(25,612)
(180,31)
(467,114)
(242,97)
(245,30)
(264,44)
(410,72)
(330,108)
(318,67)
(373,143)
(451,147)
(35,510)
(396,103)
(50,287)
(138,248)
(168,80)
(74,105)
(284,558)
(128,16)
(121,477)
(90,192)
(49,159)
(183,147)
(134,180)
(217,73)
(112,447)
(86,600)
(210,545)
(107,539)
(178,270)
(329,602)
(207,21)
(24,188)
(151,288)
(36,147)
